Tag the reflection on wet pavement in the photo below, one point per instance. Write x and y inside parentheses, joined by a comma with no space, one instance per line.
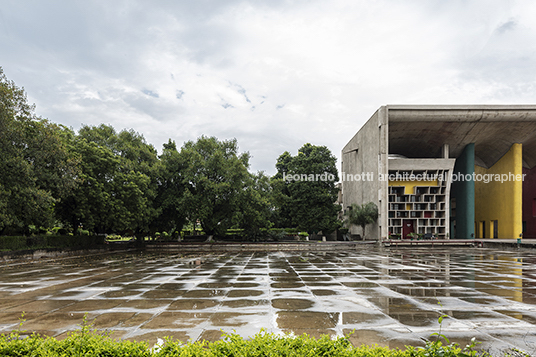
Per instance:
(388,297)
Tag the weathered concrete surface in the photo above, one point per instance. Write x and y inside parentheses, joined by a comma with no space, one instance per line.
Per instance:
(389,296)
(480,242)
(55,253)
(421,130)
(258,247)
(367,153)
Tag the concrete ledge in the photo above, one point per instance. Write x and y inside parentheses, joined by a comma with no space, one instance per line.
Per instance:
(481,243)
(430,242)
(256,247)
(497,243)
(23,256)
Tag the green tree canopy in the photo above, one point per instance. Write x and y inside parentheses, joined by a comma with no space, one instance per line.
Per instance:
(171,215)
(118,181)
(362,215)
(305,189)
(214,174)
(37,169)
(255,205)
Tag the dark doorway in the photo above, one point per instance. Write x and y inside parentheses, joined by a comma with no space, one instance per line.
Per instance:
(407,227)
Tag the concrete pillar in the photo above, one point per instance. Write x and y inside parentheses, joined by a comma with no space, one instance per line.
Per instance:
(464,193)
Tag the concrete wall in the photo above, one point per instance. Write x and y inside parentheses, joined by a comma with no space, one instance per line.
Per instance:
(364,158)
(501,201)
(420,131)
(464,193)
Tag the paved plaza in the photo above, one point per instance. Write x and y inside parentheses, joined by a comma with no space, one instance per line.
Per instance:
(386,296)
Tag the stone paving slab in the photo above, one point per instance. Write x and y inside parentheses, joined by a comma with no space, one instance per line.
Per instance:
(392,297)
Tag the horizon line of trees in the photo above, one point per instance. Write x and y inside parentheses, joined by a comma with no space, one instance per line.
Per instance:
(114,182)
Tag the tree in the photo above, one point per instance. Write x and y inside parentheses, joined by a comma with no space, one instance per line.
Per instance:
(305,191)
(37,169)
(170,215)
(214,175)
(255,207)
(361,215)
(118,181)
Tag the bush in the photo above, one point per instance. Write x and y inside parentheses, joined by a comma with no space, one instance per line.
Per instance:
(82,232)
(86,342)
(80,343)
(14,243)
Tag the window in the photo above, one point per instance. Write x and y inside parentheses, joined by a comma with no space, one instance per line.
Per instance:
(495,224)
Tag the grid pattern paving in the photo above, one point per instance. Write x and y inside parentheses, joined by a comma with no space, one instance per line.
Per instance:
(389,297)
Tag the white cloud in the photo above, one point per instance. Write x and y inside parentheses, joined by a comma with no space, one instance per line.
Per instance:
(273,74)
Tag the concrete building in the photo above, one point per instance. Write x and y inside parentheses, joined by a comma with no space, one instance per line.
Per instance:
(449,171)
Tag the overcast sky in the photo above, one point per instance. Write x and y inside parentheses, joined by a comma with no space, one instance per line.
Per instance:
(274,74)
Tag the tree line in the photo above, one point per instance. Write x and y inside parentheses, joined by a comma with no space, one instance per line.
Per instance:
(114,182)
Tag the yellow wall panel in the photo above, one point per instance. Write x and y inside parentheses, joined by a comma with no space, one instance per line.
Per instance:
(500,199)
(409,186)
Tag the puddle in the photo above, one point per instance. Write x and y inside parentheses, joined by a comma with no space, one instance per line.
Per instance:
(192,304)
(152,337)
(119,293)
(359,284)
(241,303)
(306,320)
(354,317)
(291,285)
(292,304)
(163,294)
(40,306)
(204,293)
(382,338)
(54,321)
(388,297)
(233,319)
(111,319)
(415,318)
(176,319)
(528,316)
(137,320)
(244,293)
(323,292)
(144,304)
(474,315)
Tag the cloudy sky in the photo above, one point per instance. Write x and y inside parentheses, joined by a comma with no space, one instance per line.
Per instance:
(274,74)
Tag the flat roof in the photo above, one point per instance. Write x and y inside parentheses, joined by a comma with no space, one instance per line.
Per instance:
(421,130)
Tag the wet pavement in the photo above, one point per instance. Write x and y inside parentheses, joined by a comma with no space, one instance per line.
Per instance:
(388,297)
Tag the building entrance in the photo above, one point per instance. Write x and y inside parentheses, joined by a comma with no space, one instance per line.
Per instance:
(408,227)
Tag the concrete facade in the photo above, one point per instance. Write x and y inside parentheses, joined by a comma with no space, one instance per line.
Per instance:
(366,153)
(453,142)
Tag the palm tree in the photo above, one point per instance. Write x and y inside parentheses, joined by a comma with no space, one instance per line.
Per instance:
(361,215)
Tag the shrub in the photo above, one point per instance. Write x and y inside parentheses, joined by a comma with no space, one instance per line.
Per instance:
(14,243)
(85,342)
(82,232)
